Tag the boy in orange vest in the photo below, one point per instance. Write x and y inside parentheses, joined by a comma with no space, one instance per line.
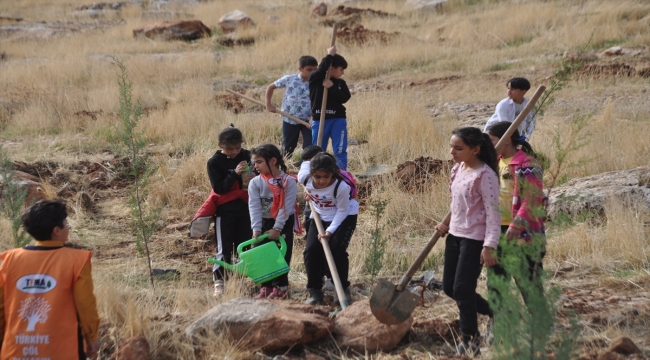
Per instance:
(47,304)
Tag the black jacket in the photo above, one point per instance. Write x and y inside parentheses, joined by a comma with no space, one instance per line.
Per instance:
(337,95)
(221,171)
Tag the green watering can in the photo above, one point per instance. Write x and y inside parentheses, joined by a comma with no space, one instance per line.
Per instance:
(260,263)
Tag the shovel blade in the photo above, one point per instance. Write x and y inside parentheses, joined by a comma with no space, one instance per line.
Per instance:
(390,306)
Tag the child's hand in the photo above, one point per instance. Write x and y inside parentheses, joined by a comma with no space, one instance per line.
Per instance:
(273,234)
(240,167)
(325,237)
(513,233)
(328,83)
(332,50)
(256,234)
(442,229)
(92,347)
(271,108)
(487,257)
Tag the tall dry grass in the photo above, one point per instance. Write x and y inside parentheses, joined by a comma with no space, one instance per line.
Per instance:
(44,84)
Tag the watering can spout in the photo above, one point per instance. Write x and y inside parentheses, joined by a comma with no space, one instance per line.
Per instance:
(222,263)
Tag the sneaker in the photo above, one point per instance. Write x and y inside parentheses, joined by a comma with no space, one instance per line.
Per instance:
(328,285)
(218,289)
(278,293)
(265,291)
(469,348)
(315,297)
(489,332)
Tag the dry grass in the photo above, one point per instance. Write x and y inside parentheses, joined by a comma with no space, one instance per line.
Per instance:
(46,84)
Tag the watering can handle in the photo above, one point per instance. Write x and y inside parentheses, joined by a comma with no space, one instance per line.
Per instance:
(283,244)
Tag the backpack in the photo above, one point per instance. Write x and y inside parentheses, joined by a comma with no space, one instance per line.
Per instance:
(349,179)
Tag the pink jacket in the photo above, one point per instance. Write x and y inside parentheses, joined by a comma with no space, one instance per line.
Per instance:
(527,195)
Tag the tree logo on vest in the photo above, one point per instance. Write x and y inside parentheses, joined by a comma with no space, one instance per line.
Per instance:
(34,310)
(36,283)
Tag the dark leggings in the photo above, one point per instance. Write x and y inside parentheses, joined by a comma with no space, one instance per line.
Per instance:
(287,234)
(314,255)
(461,271)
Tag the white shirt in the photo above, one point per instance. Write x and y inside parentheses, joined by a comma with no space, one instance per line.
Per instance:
(508,110)
(303,174)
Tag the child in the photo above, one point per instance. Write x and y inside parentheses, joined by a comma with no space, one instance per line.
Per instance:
(509,108)
(226,170)
(295,102)
(47,292)
(272,205)
(337,95)
(303,175)
(473,229)
(324,181)
(521,199)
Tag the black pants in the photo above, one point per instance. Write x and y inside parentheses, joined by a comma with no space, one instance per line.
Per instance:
(461,271)
(287,234)
(290,135)
(230,231)
(532,273)
(314,255)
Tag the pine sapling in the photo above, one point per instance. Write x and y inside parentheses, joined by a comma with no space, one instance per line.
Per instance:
(377,246)
(12,200)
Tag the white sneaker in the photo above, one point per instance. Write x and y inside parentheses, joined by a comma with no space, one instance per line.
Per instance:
(218,289)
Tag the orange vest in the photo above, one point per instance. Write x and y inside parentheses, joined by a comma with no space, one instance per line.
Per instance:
(40,314)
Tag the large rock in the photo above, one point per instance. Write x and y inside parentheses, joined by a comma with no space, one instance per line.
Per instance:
(23,181)
(134,348)
(234,19)
(263,324)
(591,193)
(624,345)
(319,9)
(358,329)
(174,30)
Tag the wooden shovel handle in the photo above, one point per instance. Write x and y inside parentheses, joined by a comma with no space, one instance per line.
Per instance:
(323,107)
(264,105)
(330,259)
(434,238)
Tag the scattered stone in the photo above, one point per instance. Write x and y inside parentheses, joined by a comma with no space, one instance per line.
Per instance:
(592,192)
(102,6)
(342,10)
(50,30)
(319,10)
(358,329)
(360,35)
(269,325)
(166,273)
(614,69)
(134,348)
(234,19)
(613,51)
(231,42)
(624,345)
(174,30)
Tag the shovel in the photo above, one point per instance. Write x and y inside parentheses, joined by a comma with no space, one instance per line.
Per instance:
(391,304)
(330,260)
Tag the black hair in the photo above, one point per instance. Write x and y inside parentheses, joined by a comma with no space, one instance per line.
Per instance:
(519,83)
(325,162)
(499,129)
(474,137)
(339,61)
(310,151)
(268,152)
(40,219)
(231,136)
(307,61)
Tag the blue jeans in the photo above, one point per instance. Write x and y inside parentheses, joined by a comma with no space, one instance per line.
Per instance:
(337,129)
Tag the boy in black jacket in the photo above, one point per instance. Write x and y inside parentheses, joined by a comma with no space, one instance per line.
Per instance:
(338,94)
(228,169)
